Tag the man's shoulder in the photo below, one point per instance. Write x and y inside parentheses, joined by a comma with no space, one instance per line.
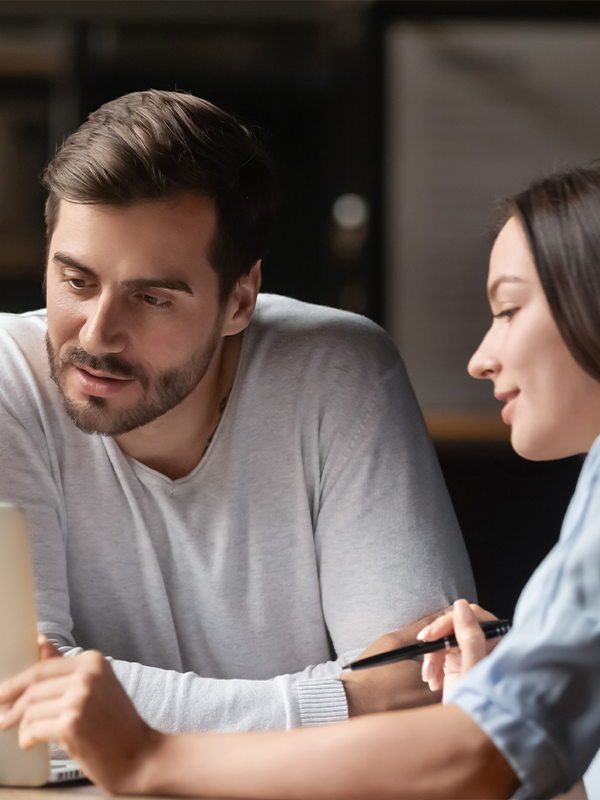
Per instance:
(22,343)
(293,325)
(287,313)
(31,325)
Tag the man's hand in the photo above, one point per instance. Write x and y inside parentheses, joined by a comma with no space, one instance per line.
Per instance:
(79,703)
(444,668)
(46,649)
(394,686)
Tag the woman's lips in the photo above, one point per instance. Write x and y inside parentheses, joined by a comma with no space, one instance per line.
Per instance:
(99,385)
(508,398)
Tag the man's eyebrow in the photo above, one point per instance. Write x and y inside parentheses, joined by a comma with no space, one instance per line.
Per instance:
(503,279)
(69,261)
(158,283)
(136,283)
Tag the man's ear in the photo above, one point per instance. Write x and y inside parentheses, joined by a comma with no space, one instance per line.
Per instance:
(242,301)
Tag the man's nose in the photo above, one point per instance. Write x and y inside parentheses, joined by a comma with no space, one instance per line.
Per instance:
(104,330)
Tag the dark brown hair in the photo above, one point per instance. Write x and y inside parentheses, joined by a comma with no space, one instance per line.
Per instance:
(155,144)
(560,216)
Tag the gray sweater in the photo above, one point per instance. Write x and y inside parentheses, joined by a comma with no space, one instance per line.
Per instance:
(317,521)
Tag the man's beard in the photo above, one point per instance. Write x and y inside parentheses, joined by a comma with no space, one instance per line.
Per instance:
(160,394)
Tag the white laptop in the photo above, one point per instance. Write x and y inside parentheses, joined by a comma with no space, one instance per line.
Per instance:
(19,650)
(63,771)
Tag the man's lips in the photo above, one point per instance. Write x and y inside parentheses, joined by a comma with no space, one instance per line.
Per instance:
(100,384)
(508,399)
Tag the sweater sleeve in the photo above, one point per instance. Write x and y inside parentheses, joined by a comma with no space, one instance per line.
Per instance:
(179,703)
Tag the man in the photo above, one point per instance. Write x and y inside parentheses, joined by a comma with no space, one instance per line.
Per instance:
(262,501)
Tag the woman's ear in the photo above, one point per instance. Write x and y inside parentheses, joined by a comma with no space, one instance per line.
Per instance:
(242,302)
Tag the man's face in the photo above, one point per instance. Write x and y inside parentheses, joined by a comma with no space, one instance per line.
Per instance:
(134,317)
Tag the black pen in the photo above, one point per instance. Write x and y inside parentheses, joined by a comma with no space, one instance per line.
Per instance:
(491,630)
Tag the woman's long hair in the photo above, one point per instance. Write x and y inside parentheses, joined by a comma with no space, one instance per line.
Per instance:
(560,216)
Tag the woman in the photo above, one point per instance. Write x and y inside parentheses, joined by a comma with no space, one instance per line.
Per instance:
(526,718)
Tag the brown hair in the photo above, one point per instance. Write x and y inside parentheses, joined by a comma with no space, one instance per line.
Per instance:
(560,216)
(156,144)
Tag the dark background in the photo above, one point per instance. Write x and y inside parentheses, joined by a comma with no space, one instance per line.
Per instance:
(310,75)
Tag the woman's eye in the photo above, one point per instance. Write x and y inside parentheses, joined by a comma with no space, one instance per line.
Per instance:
(507,313)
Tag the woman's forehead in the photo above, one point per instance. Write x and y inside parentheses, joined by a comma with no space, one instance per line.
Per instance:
(510,260)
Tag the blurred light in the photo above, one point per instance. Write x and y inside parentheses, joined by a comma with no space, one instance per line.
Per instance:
(350,211)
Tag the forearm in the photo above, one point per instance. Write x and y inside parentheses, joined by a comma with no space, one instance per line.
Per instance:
(396,687)
(430,753)
(393,687)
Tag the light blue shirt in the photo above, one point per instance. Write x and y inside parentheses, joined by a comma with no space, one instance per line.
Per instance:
(538,694)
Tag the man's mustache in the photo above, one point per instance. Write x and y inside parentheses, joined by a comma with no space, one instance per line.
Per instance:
(114,365)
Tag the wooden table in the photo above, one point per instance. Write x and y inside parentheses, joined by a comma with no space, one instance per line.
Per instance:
(74,791)
(64,791)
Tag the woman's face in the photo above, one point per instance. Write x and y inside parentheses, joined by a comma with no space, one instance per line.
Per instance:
(552,405)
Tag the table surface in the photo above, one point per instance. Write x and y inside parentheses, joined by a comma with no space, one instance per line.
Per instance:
(72,791)
(63,791)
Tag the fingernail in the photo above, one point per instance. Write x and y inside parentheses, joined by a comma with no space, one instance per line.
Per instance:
(423,632)
(426,669)
(463,612)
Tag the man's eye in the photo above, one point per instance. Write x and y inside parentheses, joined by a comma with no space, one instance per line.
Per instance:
(77,283)
(157,302)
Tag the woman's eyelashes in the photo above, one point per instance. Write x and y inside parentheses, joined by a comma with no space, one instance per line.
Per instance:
(506,313)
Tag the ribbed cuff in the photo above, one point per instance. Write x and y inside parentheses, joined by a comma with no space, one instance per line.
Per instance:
(321,701)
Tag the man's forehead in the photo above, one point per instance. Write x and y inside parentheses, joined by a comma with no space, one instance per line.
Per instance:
(163,241)
(183,224)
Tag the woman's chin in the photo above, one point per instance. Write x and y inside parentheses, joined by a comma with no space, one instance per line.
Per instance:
(543,447)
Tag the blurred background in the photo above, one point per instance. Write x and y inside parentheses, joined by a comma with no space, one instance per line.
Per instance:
(395,127)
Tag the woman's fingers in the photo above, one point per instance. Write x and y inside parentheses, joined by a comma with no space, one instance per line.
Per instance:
(13,688)
(444,625)
(53,727)
(79,703)
(433,670)
(44,716)
(34,695)
(469,635)
(443,668)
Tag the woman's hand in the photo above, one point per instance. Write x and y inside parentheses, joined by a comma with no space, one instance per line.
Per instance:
(79,703)
(444,668)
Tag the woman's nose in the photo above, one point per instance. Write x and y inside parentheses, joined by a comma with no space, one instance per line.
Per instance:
(484,362)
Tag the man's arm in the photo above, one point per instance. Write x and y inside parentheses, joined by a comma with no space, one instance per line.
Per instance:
(390,550)
(170,701)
